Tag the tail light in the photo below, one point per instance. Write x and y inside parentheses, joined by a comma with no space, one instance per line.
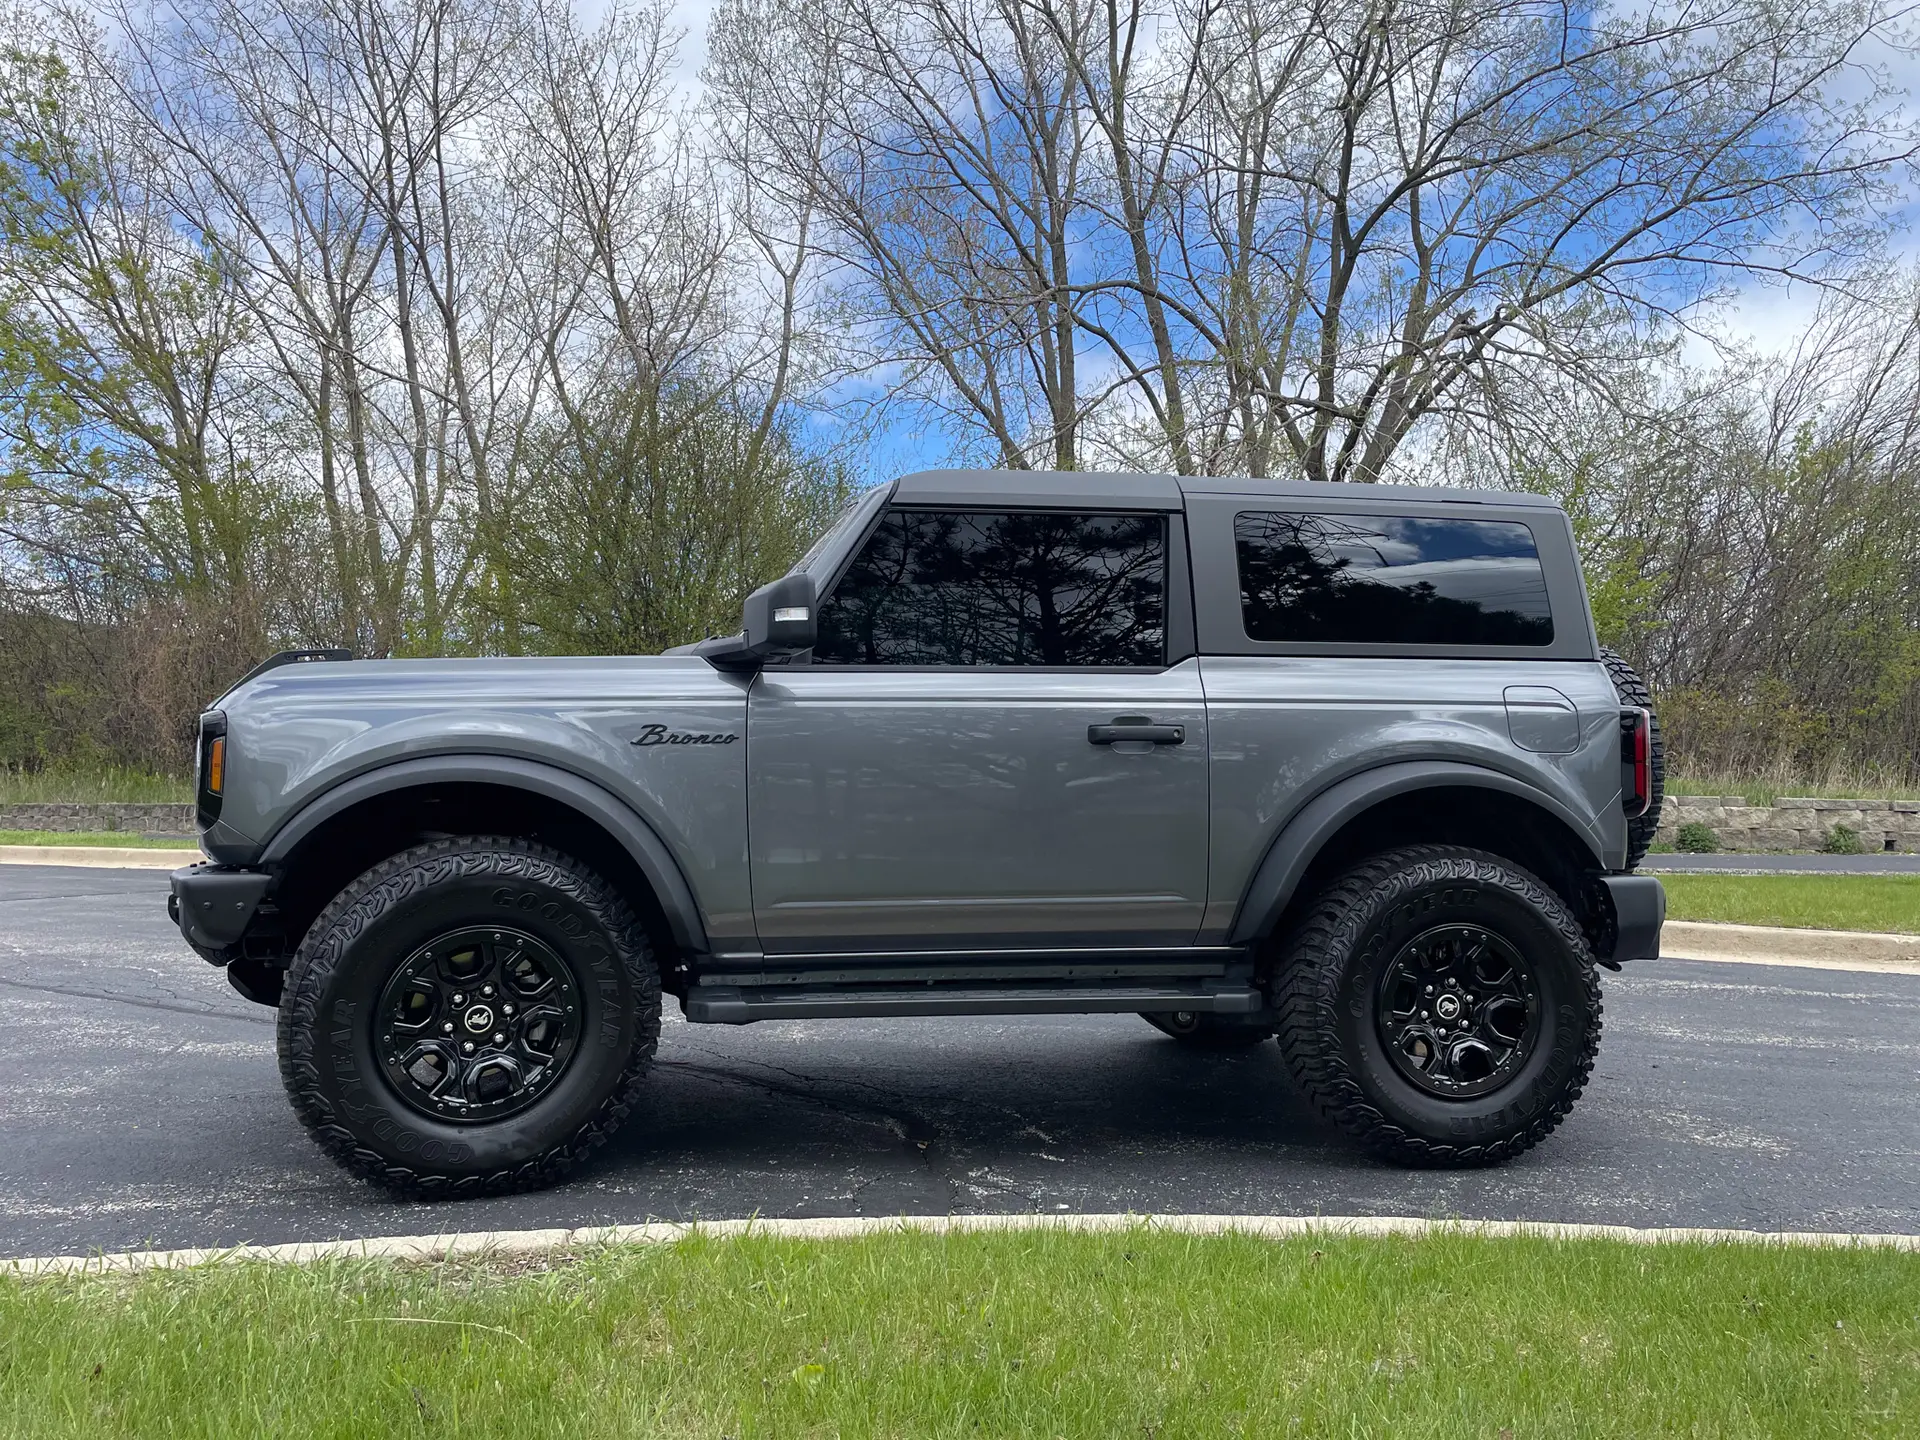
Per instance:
(1636,761)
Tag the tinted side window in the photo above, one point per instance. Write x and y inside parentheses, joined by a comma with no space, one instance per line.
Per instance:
(993,588)
(1379,579)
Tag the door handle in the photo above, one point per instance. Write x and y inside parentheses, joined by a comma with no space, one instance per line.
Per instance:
(1136,729)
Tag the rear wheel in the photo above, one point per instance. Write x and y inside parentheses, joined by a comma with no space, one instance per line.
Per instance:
(1206,1031)
(1440,1005)
(474,1015)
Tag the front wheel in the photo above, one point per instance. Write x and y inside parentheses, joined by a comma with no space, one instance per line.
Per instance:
(470,1016)
(1440,1005)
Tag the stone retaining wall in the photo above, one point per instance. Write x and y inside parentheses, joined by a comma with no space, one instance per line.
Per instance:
(139,819)
(1793,823)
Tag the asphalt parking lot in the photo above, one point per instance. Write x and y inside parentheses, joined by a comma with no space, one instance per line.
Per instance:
(142,1106)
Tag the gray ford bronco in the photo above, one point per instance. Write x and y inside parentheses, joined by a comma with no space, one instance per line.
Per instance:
(1343,765)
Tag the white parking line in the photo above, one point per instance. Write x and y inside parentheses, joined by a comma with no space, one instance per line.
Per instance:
(501,1243)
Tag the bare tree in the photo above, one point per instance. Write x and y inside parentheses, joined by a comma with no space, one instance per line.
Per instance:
(1262,232)
(117,352)
(939,147)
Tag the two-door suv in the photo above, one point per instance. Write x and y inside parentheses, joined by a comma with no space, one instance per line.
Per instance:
(1340,764)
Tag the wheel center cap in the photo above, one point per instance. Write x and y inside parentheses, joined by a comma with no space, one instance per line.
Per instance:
(1447,1007)
(479,1018)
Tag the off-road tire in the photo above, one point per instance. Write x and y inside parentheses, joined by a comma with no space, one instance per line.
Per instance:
(337,1084)
(1208,1032)
(1326,994)
(1633,691)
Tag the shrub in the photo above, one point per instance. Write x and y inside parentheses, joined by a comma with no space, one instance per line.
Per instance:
(1696,838)
(1843,840)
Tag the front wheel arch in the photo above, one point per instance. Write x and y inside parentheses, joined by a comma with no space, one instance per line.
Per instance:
(367,818)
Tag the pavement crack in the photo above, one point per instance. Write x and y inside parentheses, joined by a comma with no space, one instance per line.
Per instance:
(204,1011)
(903,1124)
(920,1136)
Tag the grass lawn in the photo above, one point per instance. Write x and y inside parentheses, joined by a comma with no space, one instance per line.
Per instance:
(1822,902)
(1766,792)
(1033,1334)
(96,785)
(124,838)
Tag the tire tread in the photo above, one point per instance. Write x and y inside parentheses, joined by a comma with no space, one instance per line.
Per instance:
(1633,691)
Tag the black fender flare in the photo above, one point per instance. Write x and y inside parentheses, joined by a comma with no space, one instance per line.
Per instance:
(612,814)
(1321,818)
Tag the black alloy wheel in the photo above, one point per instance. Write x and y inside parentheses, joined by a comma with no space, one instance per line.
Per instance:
(1458,1011)
(478,1024)
(474,1015)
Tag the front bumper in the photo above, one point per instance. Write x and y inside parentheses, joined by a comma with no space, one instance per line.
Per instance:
(214,904)
(1639,910)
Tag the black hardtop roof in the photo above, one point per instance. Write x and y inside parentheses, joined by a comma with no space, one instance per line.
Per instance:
(1131,491)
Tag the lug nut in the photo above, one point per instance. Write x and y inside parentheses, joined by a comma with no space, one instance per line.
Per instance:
(507,1008)
(486,989)
(498,1038)
(446,1027)
(467,1048)
(458,998)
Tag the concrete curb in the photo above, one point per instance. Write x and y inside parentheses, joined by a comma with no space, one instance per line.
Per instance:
(99,857)
(503,1243)
(1805,949)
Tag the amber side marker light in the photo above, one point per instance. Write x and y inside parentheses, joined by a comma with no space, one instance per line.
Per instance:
(217,764)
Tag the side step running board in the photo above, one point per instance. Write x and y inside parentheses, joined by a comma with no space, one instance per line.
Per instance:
(729,1005)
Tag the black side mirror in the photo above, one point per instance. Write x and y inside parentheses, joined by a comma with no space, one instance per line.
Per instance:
(777,619)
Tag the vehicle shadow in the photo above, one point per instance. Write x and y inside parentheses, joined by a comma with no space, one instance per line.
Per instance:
(957,1114)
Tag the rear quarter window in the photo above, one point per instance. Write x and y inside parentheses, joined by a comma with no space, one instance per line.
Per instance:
(1390,580)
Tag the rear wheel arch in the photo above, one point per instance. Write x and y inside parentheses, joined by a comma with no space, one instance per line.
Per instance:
(337,836)
(1408,803)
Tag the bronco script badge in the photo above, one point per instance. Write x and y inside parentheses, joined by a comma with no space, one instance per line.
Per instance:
(660,735)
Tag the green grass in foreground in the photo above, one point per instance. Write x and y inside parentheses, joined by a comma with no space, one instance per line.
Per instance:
(1029,1334)
(125,838)
(1820,902)
(96,785)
